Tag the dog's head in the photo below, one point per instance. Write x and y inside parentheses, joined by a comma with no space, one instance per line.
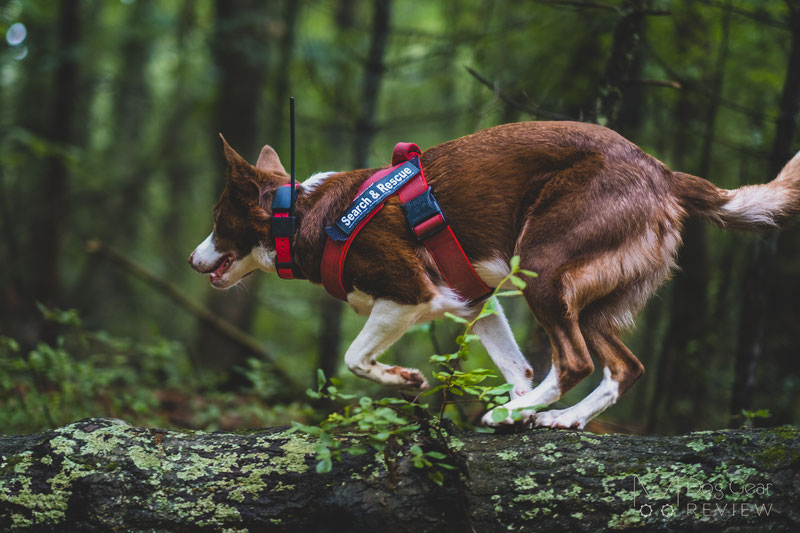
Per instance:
(239,243)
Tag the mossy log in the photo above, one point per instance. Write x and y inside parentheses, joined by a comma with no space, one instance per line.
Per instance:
(105,475)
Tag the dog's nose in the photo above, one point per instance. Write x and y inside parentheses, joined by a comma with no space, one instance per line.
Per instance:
(191,258)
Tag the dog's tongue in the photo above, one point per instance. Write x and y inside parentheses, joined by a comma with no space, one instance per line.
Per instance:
(223,266)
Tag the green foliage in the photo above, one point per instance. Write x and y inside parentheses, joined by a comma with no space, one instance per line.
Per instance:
(92,373)
(383,425)
(454,381)
(386,424)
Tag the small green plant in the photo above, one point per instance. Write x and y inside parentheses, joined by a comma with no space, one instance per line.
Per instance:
(386,424)
(751,416)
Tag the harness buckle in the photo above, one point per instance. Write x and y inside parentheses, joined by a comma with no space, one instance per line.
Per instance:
(283,225)
(424,215)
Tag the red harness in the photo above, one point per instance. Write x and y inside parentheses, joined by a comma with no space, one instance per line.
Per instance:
(428,223)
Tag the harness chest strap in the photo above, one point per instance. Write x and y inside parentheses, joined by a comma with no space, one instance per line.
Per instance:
(424,216)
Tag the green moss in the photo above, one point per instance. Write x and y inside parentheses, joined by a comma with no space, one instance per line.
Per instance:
(630,518)
(699,445)
(785,432)
(144,459)
(508,455)
(525,483)
(79,452)
(456,443)
(549,447)
(540,497)
(15,464)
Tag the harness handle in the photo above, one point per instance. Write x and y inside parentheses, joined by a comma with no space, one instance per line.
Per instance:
(404,151)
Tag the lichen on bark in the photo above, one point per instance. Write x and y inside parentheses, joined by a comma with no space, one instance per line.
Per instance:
(103,474)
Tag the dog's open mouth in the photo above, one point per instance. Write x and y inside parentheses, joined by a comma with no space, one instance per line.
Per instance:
(219,270)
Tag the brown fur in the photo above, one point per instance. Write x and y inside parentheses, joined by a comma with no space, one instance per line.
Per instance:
(598,219)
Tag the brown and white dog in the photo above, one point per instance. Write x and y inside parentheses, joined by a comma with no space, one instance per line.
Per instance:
(598,219)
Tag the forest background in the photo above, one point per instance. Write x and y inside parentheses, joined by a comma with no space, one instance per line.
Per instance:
(110,162)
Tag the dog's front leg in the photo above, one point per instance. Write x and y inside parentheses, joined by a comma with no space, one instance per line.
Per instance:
(387,322)
(497,338)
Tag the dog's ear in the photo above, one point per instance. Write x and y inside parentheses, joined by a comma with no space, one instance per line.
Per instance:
(241,173)
(268,161)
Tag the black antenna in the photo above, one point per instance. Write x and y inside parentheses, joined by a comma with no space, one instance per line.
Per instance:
(291,134)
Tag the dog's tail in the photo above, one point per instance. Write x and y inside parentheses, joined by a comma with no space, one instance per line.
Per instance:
(752,207)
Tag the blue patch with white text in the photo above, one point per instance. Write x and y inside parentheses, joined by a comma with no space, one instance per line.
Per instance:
(371,198)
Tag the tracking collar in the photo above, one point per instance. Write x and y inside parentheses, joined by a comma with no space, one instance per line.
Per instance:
(284,226)
(284,221)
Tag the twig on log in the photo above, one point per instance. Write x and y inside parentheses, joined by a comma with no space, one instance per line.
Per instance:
(224,327)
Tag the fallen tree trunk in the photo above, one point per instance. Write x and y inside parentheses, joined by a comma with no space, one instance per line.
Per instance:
(102,474)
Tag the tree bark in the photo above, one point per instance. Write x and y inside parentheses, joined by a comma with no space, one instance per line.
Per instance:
(102,474)
(627,35)
(50,229)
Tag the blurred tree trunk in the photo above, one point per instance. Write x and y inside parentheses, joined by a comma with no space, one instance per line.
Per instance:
(760,286)
(283,76)
(627,37)
(127,169)
(50,228)
(17,311)
(130,115)
(365,129)
(684,358)
(371,82)
(239,48)
(180,166)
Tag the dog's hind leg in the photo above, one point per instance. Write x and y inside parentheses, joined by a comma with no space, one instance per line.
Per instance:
(600,322)
(620,370)
(571,364)
(387,322)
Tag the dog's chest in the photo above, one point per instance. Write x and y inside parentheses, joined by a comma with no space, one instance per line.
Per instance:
(361,302)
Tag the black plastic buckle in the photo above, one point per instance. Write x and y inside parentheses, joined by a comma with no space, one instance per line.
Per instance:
(283,226)
(281,203)
(422,208)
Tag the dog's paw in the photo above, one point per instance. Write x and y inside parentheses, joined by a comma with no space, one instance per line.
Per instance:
(558,418)
(407,378)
